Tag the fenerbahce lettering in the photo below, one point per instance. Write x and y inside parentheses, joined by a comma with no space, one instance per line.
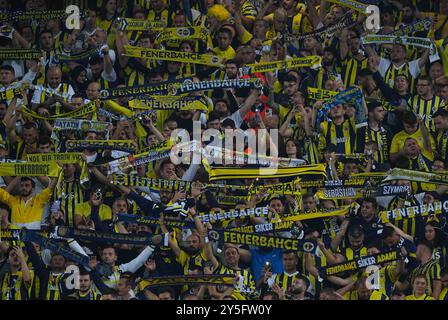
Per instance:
(187,57)
(234,214)
(410,212)
(362,262)
(265,241)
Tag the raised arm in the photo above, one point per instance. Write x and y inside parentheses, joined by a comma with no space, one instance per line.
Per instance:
(340,235)
(135,264)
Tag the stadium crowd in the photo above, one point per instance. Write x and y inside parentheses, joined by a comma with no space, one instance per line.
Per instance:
(90,193)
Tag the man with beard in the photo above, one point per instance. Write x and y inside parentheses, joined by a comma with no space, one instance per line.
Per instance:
(330,69)
(49,277)
(419,159)
(194,251)
(376,132)
(245,285)
(340,131)
(426,103)
(285,279)
(15,283)
(353,58)
(369,221)
(26,209)
(229,73)
(408,13)
(397,65)
(355,248)
(86,289)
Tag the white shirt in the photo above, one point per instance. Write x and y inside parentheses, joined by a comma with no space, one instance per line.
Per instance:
(38,93)
(414,68)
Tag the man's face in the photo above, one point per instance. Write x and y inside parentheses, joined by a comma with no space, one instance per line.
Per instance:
(91,136)
(231,70)
(289,261)
(356,243)
(27,34)
(69,170)
(328,58)
(367,210)
(224,40)
(46,41)
(363,292)
(215,124)
(173,66)
(13,259)
(165,196)
(354,45)
(231,256)
(411,147)
(6,77)
(44,148)
(221,108)
(337,11)
(378,114)
(247,55)
(277,206)
(123,287)
(436,71)
(193,244)
(280,21)
(26,188)
(145,42)
(109,256)
(423,87)
(180,21)
(444,93)
(309,203)
(271,121)
(77,102)
(410,128)
(30,135)
(392,240)
(100,37)
(93,91)
(84,283)
(350,168)
(290,87)
(96,68)
(397,54)
(165,296)
(157,5)
(259,29)
(407,15)
(401,84)
(57,262)
(337,111)
(419,286)
(168,171)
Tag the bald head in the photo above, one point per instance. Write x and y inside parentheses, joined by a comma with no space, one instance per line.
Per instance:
(93,91)
(54,76)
